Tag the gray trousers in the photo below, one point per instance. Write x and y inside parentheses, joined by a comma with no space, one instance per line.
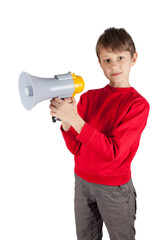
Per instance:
(113,205)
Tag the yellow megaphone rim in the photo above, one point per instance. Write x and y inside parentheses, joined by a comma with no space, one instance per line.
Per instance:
(79,84)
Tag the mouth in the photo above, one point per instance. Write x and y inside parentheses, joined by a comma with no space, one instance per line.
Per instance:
(115,74)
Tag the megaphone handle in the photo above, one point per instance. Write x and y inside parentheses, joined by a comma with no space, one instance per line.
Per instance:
(54,119)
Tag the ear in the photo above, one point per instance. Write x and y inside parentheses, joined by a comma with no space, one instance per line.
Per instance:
(134,58)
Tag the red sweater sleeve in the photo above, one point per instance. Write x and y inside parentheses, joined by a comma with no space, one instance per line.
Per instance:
(72,143)
(123,137)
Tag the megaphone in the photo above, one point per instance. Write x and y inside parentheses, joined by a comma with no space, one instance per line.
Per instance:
(34,89)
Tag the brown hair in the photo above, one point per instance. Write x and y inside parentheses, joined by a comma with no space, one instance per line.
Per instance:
(116,39)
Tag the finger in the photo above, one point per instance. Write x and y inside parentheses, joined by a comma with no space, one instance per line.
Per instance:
(73,100)
(53,114)
(53,109)
(58,100)
(54,103)
(53,100)
(51,106)
(68,100)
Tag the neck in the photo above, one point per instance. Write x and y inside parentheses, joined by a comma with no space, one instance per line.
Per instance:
(120,85)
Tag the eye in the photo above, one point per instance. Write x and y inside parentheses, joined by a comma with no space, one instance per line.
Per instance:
(107,60)
(120,58)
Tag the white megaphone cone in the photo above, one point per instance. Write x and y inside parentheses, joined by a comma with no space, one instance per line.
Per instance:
(35,89)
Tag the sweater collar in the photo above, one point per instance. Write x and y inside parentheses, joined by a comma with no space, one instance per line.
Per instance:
(118,89)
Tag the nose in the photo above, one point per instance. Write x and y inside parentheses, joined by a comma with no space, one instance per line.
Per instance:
(114,65)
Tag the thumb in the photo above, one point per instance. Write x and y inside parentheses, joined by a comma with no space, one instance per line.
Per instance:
(73,100)
(68,100)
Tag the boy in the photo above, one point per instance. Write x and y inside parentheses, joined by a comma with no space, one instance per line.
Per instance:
(103,133)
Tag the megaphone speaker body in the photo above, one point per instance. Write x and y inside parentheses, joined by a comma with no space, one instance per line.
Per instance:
(34,89)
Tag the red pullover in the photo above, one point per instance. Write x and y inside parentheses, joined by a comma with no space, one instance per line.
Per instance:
(107,143)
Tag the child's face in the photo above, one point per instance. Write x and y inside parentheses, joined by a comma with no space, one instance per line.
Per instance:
(116,66)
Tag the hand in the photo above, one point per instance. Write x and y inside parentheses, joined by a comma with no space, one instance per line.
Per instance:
(65,110)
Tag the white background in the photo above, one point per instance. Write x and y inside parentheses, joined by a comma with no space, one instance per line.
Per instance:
(45,38)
